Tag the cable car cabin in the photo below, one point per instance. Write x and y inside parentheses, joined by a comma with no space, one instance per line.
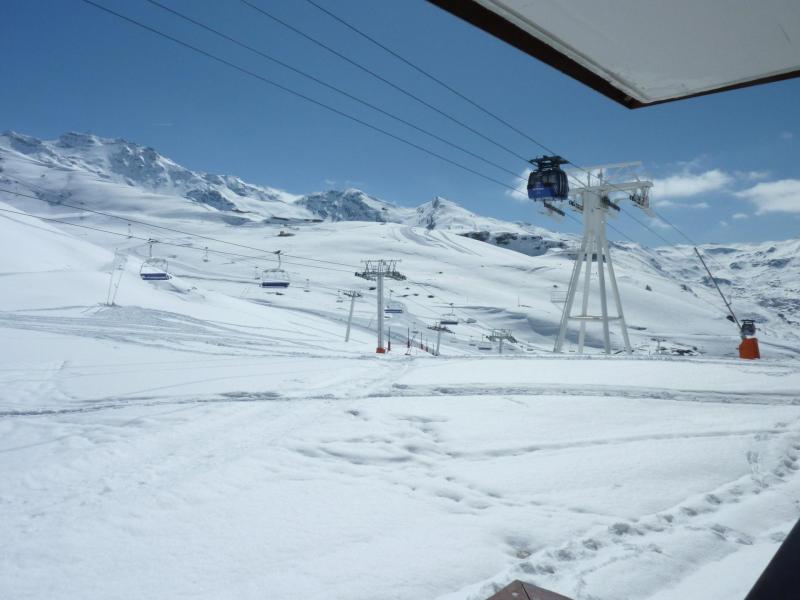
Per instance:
(548,181)
(274,278)
(155,269)
(393,309)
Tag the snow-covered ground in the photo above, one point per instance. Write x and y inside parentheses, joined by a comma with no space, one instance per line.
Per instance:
(201,438)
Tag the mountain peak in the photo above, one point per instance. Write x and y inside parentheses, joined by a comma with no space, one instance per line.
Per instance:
(73,139)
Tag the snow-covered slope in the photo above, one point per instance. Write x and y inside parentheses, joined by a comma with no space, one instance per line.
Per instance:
(203,437)
(81,165)
(128,179)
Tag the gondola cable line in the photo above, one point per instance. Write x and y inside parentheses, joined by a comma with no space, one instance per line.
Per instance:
(303,96)
(463,96)
(297,94)
(219,252)
(330,86)
(483,109)
(284,88)
(164,243)
(288,90)
(381,78)
(188,234)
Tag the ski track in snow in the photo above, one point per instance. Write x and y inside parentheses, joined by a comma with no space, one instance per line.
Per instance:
(205,439)
(409,448)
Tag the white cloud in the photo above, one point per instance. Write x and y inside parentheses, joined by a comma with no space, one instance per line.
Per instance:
(673,204)
(520,191)
(723,223)
(685,185)
(787,135)
(782,196)
(656,222)
(740,216)
(751,175)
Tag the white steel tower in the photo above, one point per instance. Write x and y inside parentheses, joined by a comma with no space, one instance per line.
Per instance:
(378,270)
(594,199)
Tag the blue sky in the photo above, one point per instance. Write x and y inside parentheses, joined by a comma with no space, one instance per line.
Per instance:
(726,166)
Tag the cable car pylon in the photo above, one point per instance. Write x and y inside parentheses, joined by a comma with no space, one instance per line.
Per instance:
(548,183)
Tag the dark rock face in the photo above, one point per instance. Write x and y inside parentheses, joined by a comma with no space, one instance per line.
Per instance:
(212,198)
(532,245)
(342,206)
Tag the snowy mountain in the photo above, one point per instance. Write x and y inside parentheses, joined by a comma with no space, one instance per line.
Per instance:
(58,169)
(130,179)
(77,164)
(202,436)
(350,205)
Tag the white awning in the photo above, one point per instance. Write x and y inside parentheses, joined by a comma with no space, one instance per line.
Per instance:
(642,52)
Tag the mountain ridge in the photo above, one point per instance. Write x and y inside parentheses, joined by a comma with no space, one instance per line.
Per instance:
(123,177)
(121,162)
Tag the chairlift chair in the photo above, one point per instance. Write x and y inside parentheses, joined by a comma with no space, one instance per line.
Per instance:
(276,277)
(449,319)
(393,308)
(155,269)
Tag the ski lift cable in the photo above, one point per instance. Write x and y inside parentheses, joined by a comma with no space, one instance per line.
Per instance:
(712,304)
(148,240)
(309,99)
(463,315)
(163,243)
(300,95)
(430,76)
(208,238)
(162,227)
(670,244)
(481,108)
(378,76)
(331,87)
(684,235)
(218,252)
(346,115)
(297,94)
(186,233)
